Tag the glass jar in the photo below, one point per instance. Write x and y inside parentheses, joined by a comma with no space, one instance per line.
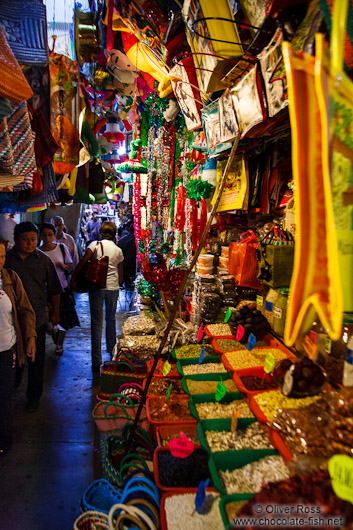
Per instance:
(271,299)
(280,311)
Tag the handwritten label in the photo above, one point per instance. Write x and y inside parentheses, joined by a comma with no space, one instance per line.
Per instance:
(202,354)
(270,362)
(235,415)
(181,447)
(200,333)
(227,315)
(259,300)
(166,368)
(200,497)
(251,342)
(240,332)
(340,468)
(169,391)
(220,391)
(328,345)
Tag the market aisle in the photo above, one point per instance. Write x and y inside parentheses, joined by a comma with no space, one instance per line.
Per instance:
(45,473)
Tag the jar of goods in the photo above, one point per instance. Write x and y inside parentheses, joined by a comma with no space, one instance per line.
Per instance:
(280,312)
(335,353)
(271,299)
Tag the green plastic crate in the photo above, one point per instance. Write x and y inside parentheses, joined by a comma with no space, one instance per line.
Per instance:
(226,499)
(202,377)
(184,362)
(230,460)
(207,355)
(210,398)
(222,424)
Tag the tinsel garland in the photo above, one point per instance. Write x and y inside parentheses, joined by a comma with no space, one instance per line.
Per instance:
(203,217)
(194,226)
(180,211)
(198,189)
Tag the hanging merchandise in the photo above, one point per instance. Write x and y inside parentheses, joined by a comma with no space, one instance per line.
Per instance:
(248,101)
(211,126)
(215,42)
(85,36)
(335,92)
(64,111)
(229,129)
(276,257)
(315,285)
(235,194)
(185,87)
(13,84)
(24,23)
(269,59)
(243,263)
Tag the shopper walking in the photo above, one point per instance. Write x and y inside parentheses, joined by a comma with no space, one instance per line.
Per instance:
(42,286)
(62,237)
(17,339)
(93,229)
(108,296)
(60,256)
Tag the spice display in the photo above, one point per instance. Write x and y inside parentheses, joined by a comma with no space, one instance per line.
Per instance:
(252,321)
(175,472)
(280,312)
(145,346)
(158,371)
(160,385)
(340,425)
(181,514)
(253,437)
(175,408)
(301,378)
(139,325)
(204,368)
(250,359)
(209,387)
(252,383)
(311,489)
(304,430)
(212,410)
(193,350)
(230,344)
(273,400)
(250,478)
(219,330)
(165,439)
(271,300)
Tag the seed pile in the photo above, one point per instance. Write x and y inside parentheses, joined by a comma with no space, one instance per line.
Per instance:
(219,330)
(175,472)
(204,368)
(209,387)
(253,437)
(181,514)
(212,410)
(270,402)
(193,350)
(160,385)
(250,359)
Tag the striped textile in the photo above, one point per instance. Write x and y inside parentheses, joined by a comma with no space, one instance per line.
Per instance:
(24,23)
(21,137)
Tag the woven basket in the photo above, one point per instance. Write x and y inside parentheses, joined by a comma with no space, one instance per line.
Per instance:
(13,84)
(99,496)
(112,416)
(92,520)
(113,375)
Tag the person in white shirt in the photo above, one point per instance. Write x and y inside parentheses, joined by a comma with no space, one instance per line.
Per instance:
(62,237)
(108,296)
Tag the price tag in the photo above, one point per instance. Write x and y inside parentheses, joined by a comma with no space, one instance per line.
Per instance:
(259,300)
(251,342)
(328,345)
(201,495)
(340,468)
(202,354)
(220,391)
(268,306)
(269,363)
(181,447)
(235,415)
(227,315)
(169,391)
(166,368)
(240,332)
(200,333)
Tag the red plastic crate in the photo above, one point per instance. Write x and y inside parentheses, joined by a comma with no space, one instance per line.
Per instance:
(179,491)
(209,334)
(173,372)
(164,431)
(157,395)
(166,489)
(156,423)
(257,372)
(277,442)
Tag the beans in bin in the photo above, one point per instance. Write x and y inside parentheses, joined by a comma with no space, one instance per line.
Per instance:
(176,472)
(252,320)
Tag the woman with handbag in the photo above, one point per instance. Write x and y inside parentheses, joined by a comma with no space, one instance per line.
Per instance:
(60,256)
(108,295)
(17,339)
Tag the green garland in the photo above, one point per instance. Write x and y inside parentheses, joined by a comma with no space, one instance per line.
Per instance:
(198,189)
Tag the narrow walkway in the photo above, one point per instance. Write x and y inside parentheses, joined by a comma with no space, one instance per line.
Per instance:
(51,462)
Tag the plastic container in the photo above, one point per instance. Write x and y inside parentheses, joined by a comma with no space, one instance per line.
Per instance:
(223,262)
(335,351)
(184,362)
(278,443)
(221,271)
(157,474)
(194,399)
(205,260)
(159,368)
(179,491)
(227,499)
(155,423)
(224,252)
(257,372)
(230,460)
(204,271)
(223,424)
(280,312)
(226,336)
(218,350)
(165,432)
(158,378)
(202,377)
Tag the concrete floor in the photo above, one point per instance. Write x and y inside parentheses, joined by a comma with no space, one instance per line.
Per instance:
(52,460)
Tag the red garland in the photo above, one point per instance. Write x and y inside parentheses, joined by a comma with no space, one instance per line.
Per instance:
(203,218)
(180,211)
(193,225)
